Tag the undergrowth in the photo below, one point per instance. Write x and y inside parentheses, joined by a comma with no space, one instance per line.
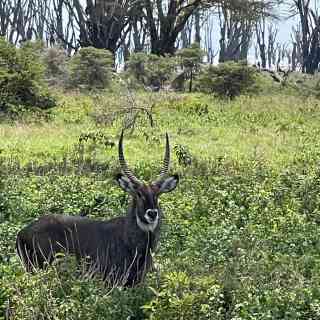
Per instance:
(240,238)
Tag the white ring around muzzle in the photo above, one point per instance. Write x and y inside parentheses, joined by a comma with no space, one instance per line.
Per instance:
(152,223)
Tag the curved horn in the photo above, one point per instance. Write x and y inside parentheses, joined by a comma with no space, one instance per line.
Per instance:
(166,159)
(123,163)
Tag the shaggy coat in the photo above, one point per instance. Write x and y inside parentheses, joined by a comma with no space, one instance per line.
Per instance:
(119,249)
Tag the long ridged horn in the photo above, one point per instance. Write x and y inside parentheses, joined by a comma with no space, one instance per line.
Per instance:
(166,160)
(123,163)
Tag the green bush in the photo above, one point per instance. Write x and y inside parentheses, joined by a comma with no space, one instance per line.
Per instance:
(22,84)
(62,291)
(301,84)
(182,297)
(150,69)
(190,60)
(55,60)
(91,68)
(228,79)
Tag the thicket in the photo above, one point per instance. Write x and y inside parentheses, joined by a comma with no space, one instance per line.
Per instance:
(154,71)
(26,71)
(22,84)
(189,60)
(91,68)
(236,245)
(151,70)
(56,63)
(228,79)
(240,237)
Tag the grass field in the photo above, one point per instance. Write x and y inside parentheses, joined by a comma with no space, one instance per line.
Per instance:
(241,235)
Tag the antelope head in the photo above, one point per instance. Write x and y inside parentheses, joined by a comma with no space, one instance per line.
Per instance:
(146,196)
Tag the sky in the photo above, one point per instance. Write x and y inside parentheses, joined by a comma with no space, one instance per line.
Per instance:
(285,24)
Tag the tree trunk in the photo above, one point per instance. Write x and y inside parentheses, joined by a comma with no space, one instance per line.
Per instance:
(197,37)
(165,29)
(294,57)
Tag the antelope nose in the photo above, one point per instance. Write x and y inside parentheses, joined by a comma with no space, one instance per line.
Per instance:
(152,213)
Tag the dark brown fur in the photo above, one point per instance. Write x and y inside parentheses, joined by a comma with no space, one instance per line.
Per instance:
(119,249)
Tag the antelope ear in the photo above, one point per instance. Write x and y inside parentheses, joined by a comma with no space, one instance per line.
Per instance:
(126,184)
(168,184)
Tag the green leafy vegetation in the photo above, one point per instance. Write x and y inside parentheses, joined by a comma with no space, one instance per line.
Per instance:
(150,69)
(190,62)
(240,239)
(229,79)
(91,68)
(22,85)
(55,60)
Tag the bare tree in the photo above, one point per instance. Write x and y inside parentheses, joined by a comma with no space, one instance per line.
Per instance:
(6,12)
(139,33)
(297,57)
(166,25)
(209,26)
(310,35)
(17,20)
(271,53)
(272,48)
(186,34)
(197,21)
(238,22)
(62,26)
(260,28)
(235,34)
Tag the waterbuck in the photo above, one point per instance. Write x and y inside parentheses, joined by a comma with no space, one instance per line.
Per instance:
(119,249)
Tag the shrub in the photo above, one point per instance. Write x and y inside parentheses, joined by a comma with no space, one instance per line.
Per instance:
(190,59)
(303,81)
(91,68)
(22,83)
(182,297)
(5,290)
(150,69)
(60,293)
(228,79)
(55,59)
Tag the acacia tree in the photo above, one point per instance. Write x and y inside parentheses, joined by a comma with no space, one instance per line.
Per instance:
(237,22)
(19,22)
(266,36)
(111,24)
(260,29)
(165,25)
(166,19)
(310,35)
(235,35)
(103,24)
(297,57)
(107,23)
